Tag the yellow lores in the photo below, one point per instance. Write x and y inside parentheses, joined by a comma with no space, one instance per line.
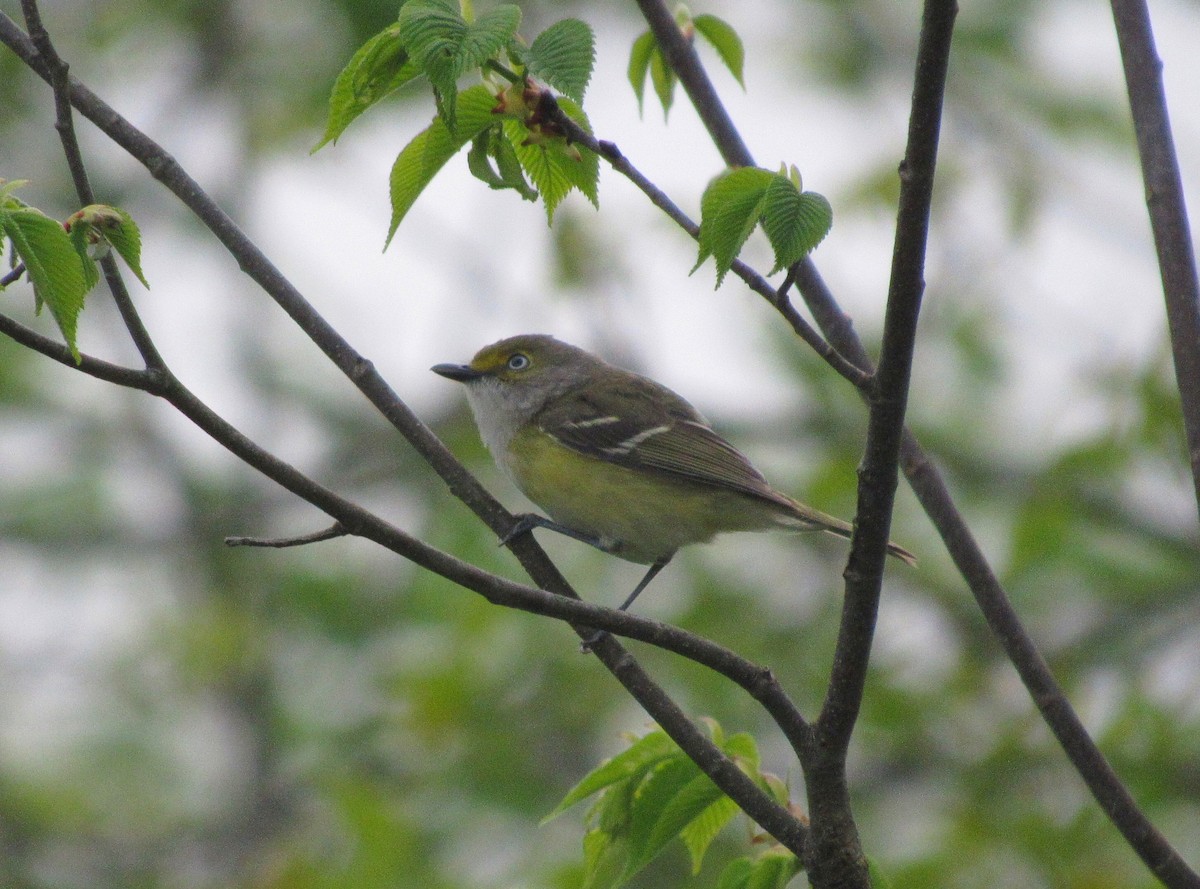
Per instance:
(617,460)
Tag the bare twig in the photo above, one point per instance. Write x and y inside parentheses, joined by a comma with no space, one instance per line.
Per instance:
(17,271)
(1168,210)
(333,532)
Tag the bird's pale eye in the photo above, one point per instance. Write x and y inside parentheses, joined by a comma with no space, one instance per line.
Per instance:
(517,361)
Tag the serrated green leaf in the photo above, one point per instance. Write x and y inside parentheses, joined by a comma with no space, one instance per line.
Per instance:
(729,210)
(126,239)
(725,41)
(492,144)
(479,163)
(653,799)
(794,222)
(7,187)
(445,45)
(614,805)
(554,167)
(420,160)
(688,804)
(509,167)
(115,228)
(604,859)
(52,265)
(663,79)
(379,67)
(488,34)
(563,56)
(643,754)
(703,829)
(639,65)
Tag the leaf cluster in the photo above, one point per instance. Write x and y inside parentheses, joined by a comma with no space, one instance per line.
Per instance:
(739,200)
(60,258)
(646,59)
(651,794)
(514,145)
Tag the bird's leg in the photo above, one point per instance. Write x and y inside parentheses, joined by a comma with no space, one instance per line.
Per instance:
(637,590)
(644,582)
(527,521)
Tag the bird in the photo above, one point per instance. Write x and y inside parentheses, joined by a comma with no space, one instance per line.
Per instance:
(617,460)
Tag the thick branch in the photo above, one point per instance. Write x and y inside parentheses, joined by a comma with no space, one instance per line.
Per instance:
(825,760)
(933,494)
(1168,210)
(889,390)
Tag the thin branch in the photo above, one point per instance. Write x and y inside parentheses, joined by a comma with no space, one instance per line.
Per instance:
(776,296)
(17,271)
(1167,208)
(333,532)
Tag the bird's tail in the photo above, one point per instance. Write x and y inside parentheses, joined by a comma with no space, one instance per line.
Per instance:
(805,518)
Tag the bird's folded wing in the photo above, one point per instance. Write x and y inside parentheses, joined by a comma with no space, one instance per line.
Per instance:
(641,425)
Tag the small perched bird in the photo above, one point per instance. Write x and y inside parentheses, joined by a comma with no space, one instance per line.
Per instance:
(617,460)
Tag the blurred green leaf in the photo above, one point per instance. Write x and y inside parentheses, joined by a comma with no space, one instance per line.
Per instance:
(563,56)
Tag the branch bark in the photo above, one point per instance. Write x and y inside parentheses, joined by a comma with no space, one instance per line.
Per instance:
(1167,208)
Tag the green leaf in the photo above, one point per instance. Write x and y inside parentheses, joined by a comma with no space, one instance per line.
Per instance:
(639,64)
(604,858)
(742,748)
(554,167)
(122,232)
(645,753)
(115,228)
(663,79)
(420,160)
(704,827)
(729,210)
(79,243)
(652,802)
(563,56)
(773,869)
(52,265)
(794,222)
(736,874)
(493,144)
(445,45)
(725,41)
(379,67)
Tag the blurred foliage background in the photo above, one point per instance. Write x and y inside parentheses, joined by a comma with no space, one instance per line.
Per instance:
(177,714)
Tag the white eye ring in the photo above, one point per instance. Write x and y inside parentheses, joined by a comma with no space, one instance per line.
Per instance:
(518,361)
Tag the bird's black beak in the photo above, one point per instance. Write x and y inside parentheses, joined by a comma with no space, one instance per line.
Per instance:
(463,373)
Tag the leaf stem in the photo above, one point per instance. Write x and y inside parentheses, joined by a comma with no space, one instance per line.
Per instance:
(504,71)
